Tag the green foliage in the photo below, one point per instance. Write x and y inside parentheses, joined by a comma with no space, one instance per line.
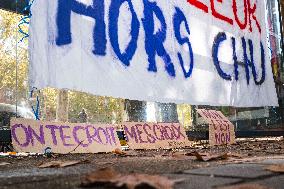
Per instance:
(99,109)
(12,55)
(184,115)
(48,104)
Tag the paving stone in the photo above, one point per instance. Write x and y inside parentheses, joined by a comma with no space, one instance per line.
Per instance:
(276,182)
(200,181)
(54,183)
(26,177)
(37,172)
(73,182)
(272,161)
(233,170)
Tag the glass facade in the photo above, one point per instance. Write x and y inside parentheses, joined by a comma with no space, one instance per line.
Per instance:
(265,118)
(68,105)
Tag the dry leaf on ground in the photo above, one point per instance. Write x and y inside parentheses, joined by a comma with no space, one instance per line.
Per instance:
(178,154)
(197,155)
(209,157)
(236,155)
(181,155)
(100,177)
(4,163)
(118,151)
(216,157)
(59,164)
(245,186)
(108,177)
(145,181)
(276,168)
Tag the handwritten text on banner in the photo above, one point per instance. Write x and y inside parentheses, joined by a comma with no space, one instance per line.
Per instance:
(221,130)
(155,135)
(182,51)
(36,136)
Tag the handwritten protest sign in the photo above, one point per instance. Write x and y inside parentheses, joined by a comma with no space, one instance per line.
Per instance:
(155,135)
(154,50)
(221,130)
(36,136)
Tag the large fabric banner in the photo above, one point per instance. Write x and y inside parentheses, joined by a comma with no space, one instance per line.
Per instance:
(203,52)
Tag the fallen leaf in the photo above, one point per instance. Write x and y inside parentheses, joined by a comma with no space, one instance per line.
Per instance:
(100,177)
(145,181)
(216,157)
(276,168)
(59,164)
(208,157)
(235,155)
(118,152)
(69,163)
(197,155)
(244,186)
(178,154)
(108,177)
(50,164)
(181,155)
(4,163)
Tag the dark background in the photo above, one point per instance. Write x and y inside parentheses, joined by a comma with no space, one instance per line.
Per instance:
(11,5)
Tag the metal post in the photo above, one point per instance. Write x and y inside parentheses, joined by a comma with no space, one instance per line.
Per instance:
(17,61)
(280,8)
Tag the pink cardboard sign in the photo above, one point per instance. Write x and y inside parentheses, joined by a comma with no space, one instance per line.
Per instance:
(155,135)
(36,136)
(221,130)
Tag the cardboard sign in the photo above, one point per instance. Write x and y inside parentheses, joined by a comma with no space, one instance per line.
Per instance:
(221,130)
(36,136)
(155,135)
(154,50)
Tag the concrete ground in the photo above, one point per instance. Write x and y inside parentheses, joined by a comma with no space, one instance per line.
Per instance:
(249,169)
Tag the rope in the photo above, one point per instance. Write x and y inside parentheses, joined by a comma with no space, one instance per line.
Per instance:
(36,110)
(25,20)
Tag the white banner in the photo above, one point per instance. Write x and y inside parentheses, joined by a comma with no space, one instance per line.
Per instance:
(203,52)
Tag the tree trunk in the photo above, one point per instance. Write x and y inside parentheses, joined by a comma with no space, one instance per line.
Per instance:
(62,106)
(136,110)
